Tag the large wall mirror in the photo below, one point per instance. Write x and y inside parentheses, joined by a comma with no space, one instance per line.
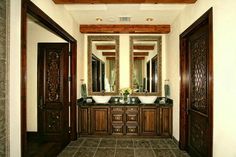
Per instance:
(103,65)
(145,65)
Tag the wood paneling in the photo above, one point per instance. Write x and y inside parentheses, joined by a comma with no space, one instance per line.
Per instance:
(84,120)
(132,120)
(166,124)
(23,76)
(160,29)
(108,53)
(121,1)
(100,120)
(106,47)
(140,53)
(148,120)
(126,120)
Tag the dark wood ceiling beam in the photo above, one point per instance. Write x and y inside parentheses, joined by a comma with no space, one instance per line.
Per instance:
(105,47)
(160,29)
(143,47)
(110,58)
(122,1)
(108,53)
(139,58)
(141,53)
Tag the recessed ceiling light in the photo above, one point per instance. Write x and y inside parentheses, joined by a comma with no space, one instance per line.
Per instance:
(98,19)
(149,19)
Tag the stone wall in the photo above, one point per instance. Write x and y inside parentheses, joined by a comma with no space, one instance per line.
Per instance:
(3,79)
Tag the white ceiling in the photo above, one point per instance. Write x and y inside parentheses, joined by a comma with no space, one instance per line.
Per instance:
(110,13)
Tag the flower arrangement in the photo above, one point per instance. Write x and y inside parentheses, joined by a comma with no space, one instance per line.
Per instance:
(126,91)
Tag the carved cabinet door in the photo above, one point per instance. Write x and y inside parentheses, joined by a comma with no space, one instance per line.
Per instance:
(53,94)
(198,95)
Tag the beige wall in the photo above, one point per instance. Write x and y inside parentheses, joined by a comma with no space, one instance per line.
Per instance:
(14,79)
(124,58)
(35,34)
(224,140)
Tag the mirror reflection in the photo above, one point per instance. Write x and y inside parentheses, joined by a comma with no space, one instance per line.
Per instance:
(103,64)
(145,64)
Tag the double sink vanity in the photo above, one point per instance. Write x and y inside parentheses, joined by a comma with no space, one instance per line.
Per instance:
(145,114)
(133,118)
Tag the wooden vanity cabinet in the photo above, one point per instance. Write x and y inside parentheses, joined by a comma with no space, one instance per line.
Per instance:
(125,120)
(84,120)
(100,120)
(117,118)
(156,121)
(166,121)
(132,120)
(148,120)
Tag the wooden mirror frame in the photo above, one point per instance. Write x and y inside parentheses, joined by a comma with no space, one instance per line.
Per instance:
(92,38)
(158,39)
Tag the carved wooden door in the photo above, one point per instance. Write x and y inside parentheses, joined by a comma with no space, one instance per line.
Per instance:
(198,99)
(53,94)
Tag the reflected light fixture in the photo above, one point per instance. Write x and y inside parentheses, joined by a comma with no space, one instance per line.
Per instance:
(149,19)
(98,19)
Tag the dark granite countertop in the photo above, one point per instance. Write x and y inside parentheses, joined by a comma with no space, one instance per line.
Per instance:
(112,102)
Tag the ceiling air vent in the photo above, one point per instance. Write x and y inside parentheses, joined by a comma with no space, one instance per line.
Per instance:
(125,19)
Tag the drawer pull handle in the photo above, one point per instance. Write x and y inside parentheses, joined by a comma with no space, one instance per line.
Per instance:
(132,118)
(117,130)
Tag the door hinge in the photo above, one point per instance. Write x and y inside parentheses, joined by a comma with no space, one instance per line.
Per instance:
(69,104)
(70,53)
(69,78)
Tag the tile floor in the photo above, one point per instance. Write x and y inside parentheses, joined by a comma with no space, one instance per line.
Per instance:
(122,147)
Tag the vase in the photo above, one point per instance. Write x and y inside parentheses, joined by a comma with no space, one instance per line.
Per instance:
(125,98)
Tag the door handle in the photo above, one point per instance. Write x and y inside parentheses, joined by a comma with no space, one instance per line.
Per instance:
(41,106)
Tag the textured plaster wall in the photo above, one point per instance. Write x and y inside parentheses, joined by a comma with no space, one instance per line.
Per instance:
(3,79)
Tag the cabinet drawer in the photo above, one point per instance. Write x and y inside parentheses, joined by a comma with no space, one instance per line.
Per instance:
(132,117)
(117,117)
(132,129)
(117,129)
(117,109)
(132,109)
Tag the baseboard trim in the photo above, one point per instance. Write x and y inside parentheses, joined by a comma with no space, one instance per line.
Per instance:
(32,136)
(175,140)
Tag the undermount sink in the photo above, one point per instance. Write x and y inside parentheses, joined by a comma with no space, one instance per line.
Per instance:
(147,99)
(101,99)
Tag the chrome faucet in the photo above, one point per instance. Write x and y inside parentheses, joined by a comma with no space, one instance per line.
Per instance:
(146,91)
(103,92)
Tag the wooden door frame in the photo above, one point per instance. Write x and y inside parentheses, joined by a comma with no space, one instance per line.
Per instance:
(27,7)
(207,17)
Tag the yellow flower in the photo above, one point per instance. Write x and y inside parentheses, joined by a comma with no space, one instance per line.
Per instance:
(126,91)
